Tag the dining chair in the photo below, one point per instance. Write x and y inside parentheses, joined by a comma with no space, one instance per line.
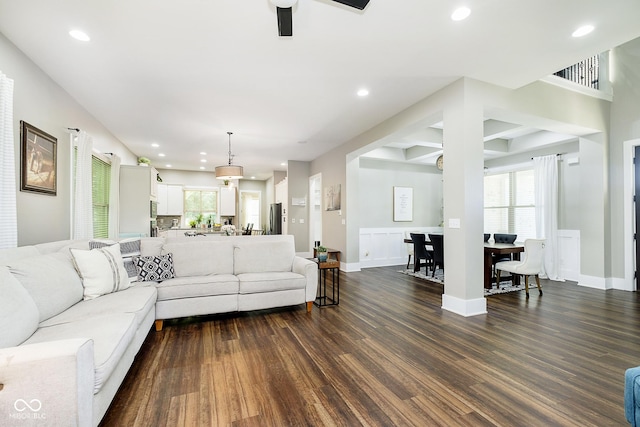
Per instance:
(407,235)
(420,252)
(486,237)
(502,238)
(530,265)
(437,243)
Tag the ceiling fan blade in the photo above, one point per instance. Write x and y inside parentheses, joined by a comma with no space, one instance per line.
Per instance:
(285,21)
(358,4)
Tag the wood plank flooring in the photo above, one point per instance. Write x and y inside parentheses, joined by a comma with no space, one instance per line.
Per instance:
(389,355)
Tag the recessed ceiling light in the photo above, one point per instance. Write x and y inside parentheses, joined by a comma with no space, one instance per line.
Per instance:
(203,160)
(161,154)
(582,31)
(79,35)
(363,92)
(283,164)
(202,153)
(253,177)
(202,168)
(461,13)
(168,166)
(155,145)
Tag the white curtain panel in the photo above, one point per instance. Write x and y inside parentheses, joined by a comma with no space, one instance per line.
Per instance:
(8,210)
(114,198)
(545,170)
(83,206)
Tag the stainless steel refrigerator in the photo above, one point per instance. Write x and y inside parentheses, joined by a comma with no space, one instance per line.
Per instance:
(275,218)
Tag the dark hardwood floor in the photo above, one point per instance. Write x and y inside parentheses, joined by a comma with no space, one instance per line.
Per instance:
(389,355)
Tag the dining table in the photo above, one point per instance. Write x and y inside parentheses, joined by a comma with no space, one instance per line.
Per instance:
(490,249)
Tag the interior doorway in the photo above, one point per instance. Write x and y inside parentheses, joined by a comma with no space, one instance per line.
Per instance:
(250,209)
(315,209)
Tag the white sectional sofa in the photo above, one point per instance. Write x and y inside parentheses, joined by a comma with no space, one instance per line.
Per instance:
(63,355)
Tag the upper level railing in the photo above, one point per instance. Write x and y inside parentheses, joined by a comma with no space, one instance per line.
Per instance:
(586,73)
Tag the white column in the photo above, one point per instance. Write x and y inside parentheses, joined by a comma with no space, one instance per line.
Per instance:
(463,196)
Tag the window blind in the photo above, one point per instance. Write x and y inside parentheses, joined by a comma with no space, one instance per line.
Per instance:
(509,204)
(101,178)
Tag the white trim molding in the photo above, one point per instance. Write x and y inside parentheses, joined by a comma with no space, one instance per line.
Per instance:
(464,307)
(381,247)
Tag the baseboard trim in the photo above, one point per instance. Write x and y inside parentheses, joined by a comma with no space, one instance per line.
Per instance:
(466,308)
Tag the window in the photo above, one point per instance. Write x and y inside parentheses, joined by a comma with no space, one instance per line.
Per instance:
(200,204)
(250,208)
(509,204)
(101,179)
(100,188)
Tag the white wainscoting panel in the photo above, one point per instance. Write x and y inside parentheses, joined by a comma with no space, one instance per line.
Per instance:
(569,254)
(381,247)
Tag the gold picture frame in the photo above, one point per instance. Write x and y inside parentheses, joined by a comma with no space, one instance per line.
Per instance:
(38,163)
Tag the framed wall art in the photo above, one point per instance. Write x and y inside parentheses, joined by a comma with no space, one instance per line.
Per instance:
(332,197)
(38,163)
(402,204)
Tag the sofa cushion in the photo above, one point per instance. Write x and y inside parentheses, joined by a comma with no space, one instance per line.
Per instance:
(201,257)
(138,300)
(102,270)
(262,256)
(9,255)
(111,335)
(129,249)
(197,286)
(154,268)
(51,280)
(150,246)
(251,283)
(18,312)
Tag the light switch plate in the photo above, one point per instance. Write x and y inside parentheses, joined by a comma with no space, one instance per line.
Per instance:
(454,222)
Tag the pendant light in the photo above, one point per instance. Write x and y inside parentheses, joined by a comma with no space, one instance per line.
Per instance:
(229,171)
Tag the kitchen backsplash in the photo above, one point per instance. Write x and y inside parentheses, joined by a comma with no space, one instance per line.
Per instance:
(165,222)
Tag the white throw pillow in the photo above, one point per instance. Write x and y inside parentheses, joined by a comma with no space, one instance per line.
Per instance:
(102,270)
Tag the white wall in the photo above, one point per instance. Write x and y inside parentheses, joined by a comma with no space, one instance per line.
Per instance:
(377,179)
(45,105)
(625,126)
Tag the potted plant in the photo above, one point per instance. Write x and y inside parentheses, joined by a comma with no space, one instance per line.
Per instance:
(199,220)
(192,223)
(143,161)
(321,252)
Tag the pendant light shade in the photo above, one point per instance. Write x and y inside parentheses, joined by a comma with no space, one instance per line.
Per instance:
(229,171)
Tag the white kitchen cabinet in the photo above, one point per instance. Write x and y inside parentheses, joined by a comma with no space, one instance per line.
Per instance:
(170,199)
(227,201)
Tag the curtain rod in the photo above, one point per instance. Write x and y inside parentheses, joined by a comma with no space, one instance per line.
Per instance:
(74,129)
(557,155)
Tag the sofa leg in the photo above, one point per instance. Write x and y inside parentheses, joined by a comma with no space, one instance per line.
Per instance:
(309,306)
(159,323)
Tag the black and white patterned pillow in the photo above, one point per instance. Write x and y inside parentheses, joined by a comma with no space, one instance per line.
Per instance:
(155,268)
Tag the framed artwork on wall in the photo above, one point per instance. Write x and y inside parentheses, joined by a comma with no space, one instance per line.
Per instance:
(402,204)
(332,197)
(38,160)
